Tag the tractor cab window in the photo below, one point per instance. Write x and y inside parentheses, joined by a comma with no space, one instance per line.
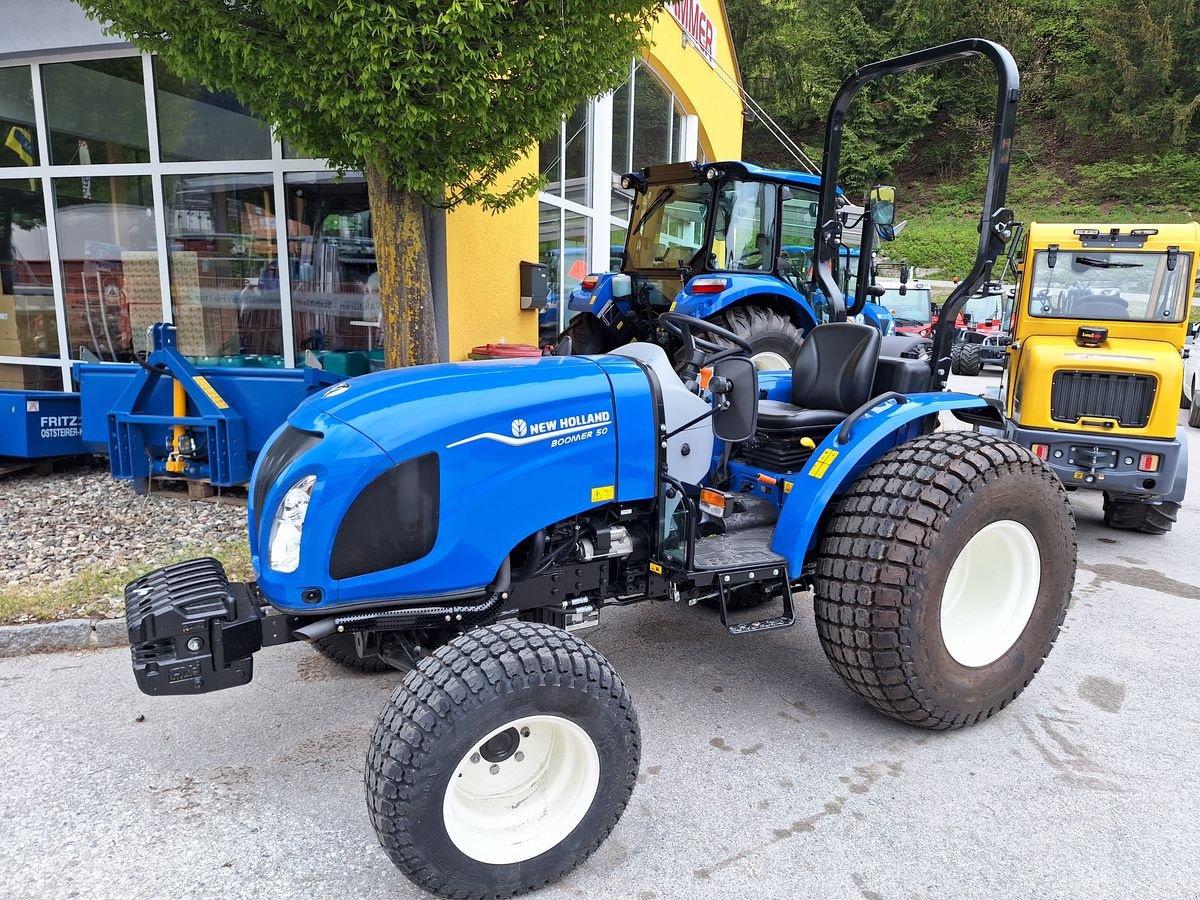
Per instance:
(1140,286)
(744,236)
(669,222)
(912,308)
(796,229)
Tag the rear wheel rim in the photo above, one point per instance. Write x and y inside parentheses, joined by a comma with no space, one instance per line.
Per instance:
(770,361)
(990,593)
(509,801)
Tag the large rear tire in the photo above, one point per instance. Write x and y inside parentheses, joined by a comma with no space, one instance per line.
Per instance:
(588,335)
(1194,409)
(943,577)
(502,762)
(773,337)
(1133,515)
(970,359)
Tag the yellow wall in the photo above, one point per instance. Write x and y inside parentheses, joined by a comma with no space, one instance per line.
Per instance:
(483,272)
(484,250)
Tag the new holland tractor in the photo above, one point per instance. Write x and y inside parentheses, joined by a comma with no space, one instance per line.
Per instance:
(730,243)
(394,522)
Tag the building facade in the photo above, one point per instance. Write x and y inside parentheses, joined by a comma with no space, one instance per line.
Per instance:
(130,196)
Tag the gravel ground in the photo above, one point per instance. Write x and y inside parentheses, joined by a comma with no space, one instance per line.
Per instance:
(54,527)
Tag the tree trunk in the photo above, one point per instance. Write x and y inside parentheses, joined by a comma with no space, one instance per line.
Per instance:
(408,325)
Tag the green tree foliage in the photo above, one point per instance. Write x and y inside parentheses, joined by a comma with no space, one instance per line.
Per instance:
(1101,79)
(434,100)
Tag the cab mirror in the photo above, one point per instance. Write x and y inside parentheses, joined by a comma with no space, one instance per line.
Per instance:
(883,205)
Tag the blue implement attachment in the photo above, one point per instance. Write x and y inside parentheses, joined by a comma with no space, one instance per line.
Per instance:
(40,424)
(166,418)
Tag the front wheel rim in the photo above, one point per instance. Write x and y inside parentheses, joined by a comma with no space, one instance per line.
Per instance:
(990,593)
(509,801)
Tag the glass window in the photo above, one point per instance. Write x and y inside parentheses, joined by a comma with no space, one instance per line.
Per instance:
(550,162)
(331,252)
(194,123)
(576,258)
(30,378)
(668,225)
(745,226)
(1103,284)
(96,110)
(619,209)
(651,120)
(549,251)
(796,230)
(622,122)
(912,308)
(28,324)
(224,265)
(18,136)
(577,160)
(108,263)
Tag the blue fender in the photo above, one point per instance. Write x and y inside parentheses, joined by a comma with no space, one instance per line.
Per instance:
(833,466)
(881,317)
(592,301)
(741,287)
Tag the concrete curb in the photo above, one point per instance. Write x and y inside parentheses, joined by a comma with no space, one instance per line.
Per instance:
(55,637)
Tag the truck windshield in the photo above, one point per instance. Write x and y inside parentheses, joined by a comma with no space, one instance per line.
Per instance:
(668,225)
(1139,286)
(909,308)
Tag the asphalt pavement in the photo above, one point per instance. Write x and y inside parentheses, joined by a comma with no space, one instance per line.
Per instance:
(762,776)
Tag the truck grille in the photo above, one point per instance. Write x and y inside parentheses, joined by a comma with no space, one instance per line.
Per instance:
(1107,395)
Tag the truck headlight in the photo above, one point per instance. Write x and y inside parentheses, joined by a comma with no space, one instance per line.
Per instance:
(288,525)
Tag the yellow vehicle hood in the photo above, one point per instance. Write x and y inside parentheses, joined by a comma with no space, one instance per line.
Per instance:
(1044,355)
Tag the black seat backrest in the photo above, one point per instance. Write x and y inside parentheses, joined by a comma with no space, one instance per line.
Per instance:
(835,367)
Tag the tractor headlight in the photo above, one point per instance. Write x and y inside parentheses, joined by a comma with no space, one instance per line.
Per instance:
(288,525)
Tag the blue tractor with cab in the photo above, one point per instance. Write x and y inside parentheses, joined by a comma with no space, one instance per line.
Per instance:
(401,520)
(730,243)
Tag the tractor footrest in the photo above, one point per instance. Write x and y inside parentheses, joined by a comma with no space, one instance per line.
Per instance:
(190,630)
(762,625)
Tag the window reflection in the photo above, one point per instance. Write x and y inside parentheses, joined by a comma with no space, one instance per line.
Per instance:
(29,378)
(18,135)
(652,113)
(224,266)
(108,262)
(335,286)
(549,250)
(197,124)
(96,110)
(28,324)
(578,141)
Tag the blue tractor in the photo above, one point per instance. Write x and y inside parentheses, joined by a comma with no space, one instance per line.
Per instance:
(727,242)
(401,520)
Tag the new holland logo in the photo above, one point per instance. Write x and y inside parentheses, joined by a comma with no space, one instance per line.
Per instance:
(558,432)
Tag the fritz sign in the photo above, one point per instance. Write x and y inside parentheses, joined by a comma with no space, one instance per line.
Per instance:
(696,24)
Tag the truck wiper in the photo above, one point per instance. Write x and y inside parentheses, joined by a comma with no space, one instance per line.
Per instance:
(658,201)
(1105,264)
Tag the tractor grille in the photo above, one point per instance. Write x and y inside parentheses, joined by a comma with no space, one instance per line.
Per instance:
(1107,395)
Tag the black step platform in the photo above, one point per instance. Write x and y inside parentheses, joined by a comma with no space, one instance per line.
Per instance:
(738,550)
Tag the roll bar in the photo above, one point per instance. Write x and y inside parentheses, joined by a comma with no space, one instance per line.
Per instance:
(995,220)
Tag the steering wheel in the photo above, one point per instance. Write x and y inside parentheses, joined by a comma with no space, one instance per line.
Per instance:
(683,327)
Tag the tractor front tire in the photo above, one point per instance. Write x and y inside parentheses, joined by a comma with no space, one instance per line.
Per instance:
(502,762)
(943,577)
(970,359)
(1133,515)
(773,337)
(340,649)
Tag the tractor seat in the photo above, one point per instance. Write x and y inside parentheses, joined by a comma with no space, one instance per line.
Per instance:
(832,377)
(1100,306)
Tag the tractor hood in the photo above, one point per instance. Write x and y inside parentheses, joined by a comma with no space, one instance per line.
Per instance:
(457,462)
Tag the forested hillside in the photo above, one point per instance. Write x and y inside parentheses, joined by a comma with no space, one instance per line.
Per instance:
(1109,122)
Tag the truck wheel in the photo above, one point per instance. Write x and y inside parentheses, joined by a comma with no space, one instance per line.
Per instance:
(955,353)
(943,577)
(340,648)
(502,762)
(1133,515)
(774,338)
(970,359)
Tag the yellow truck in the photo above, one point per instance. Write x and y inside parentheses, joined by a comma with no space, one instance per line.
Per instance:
(1095,367)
